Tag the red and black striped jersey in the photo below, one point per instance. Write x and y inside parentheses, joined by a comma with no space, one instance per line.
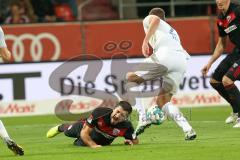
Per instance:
(103,131)
(229,24)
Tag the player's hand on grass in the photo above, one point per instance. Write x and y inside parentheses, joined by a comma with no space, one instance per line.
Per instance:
(96,146)
(128,142)
(205,69)
(145,49)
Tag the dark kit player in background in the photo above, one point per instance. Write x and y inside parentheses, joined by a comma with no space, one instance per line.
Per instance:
(228,71)
(101,128)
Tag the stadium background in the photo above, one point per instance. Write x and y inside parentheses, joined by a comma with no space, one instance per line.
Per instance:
(105,28)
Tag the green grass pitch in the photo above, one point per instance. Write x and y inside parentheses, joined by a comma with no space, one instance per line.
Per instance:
(216,140)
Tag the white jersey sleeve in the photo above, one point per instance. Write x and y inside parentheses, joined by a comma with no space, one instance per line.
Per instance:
(165,35)
(2,39)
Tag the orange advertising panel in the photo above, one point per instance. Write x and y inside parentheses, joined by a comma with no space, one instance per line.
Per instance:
(107,39)
(55,42)
(195,34)
(44,42)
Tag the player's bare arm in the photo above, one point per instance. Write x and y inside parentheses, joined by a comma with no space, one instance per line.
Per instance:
(5,54)
(153,24)
(85,135)
(220,47)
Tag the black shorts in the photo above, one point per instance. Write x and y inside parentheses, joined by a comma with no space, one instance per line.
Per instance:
(74,131)
(225,67)
(234,72)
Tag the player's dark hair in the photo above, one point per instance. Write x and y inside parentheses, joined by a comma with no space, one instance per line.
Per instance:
(158,12)
(126,106)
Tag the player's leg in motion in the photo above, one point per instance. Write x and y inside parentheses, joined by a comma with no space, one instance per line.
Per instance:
(70,130)
(172,111)
(134,80)
(228,80)
(18,150)
(220,84)
(54,131)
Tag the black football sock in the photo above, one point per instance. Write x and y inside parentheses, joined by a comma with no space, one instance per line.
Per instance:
(234,96)
(63,127)
(222,91)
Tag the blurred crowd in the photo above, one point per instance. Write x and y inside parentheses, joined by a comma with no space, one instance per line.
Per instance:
(32,11)
(37,11)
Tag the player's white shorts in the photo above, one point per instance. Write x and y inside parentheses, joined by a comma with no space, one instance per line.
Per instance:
(168,64)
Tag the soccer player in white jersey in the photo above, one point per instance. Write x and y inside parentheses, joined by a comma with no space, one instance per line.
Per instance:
(169,61)
(4,52)
(6,55)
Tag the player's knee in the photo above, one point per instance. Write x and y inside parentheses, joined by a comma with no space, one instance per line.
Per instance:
(214,83)
(163,98)
(227,81)
(132,77)
(69,133)
(161,102)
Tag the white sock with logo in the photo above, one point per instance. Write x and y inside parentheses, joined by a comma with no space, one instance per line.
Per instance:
(173,112)
(3,132)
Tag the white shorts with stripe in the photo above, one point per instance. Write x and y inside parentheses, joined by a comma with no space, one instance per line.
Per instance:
(168,64)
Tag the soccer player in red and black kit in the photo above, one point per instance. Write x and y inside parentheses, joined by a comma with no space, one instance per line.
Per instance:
(228,71)
(101,128)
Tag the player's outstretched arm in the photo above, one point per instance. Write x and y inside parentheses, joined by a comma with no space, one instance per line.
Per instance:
(220,47)
(85,135)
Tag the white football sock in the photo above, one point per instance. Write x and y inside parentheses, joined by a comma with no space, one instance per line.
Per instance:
(141,110)
(131,98)
(3,132)
(173,111)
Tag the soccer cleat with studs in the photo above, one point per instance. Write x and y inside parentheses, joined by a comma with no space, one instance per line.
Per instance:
(141,127)
(190,135)
(14,147)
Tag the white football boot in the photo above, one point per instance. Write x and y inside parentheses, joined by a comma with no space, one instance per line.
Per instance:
(232,118)
(142,125)
(237,125)
(190,135)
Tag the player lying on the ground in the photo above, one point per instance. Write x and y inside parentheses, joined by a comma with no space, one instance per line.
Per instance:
(9,142)
(101,128)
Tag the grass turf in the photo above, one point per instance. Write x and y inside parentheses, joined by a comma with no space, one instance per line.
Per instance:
(215,141)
